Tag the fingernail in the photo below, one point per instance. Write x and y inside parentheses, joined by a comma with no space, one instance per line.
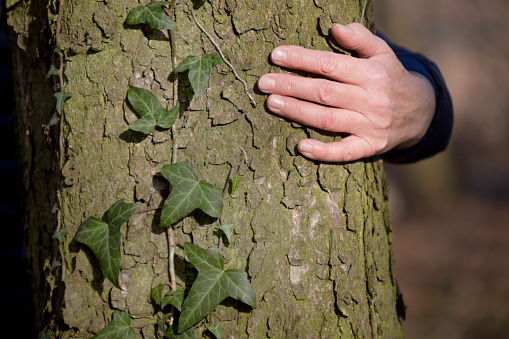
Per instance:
(276,103)
(279,55)
(306,147)
(266,83)
(344,28)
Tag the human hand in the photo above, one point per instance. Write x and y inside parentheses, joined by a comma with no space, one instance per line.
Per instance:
(373,98)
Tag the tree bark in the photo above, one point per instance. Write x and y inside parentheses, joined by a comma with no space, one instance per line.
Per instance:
(315,239)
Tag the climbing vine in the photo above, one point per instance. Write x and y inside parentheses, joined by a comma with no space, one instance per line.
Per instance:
(214,283)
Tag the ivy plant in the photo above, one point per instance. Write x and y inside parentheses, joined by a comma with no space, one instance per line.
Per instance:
(214,283)
(199,70)
(216,331)
(175,298)
(228,231)
(118,328)
(152,14)
(103,237)
(151,111)
(188,193)
(212,286)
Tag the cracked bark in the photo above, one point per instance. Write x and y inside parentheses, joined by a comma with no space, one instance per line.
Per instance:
(314,238)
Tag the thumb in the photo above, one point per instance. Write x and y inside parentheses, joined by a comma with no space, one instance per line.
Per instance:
(356,37)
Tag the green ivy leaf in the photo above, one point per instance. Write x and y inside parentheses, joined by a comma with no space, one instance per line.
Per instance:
(118,328)
(216,331)
(60,235)
(151,111)
(199,70)
(52,71)
(189,334)
(103,237)
(212,285)
(61,98)
(55,118)
(151,14)
(174,298)
(228,231)
(157,294)
(188,193)
(161,323)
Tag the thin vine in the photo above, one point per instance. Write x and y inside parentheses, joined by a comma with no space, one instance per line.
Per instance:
(188,193)
(216,45)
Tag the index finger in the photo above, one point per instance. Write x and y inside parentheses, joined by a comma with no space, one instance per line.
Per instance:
(339,67)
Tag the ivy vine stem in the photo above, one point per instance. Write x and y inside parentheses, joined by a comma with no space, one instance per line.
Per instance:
(216,45)
(171,257)
(364,11)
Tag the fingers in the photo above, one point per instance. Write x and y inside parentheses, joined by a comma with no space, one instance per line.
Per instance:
(349,149)
(317,116)
(325,92)
(335,66)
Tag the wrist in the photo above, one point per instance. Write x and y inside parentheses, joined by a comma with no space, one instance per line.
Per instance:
(424,111)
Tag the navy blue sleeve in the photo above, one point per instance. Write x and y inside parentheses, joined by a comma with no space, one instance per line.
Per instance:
(439,132)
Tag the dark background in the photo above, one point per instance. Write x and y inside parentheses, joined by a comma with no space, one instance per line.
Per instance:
(450,213)
(15,295)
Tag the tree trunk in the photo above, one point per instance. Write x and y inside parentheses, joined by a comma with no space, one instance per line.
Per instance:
(314,238)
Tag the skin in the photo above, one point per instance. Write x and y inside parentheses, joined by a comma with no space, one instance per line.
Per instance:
(373,98)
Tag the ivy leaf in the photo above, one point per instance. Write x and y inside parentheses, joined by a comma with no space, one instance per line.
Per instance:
(189,334)
(103,237)
(199,70)
(228,231)
(55,118)
(216,331)
(118,328)
(161,323)
(151,111)
(61,98)
(60,235)
(52,71)
(212,285)
(157,294)
(174,298)
(151,14)
(188,193)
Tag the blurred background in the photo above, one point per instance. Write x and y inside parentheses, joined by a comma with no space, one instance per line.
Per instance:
(451,213)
